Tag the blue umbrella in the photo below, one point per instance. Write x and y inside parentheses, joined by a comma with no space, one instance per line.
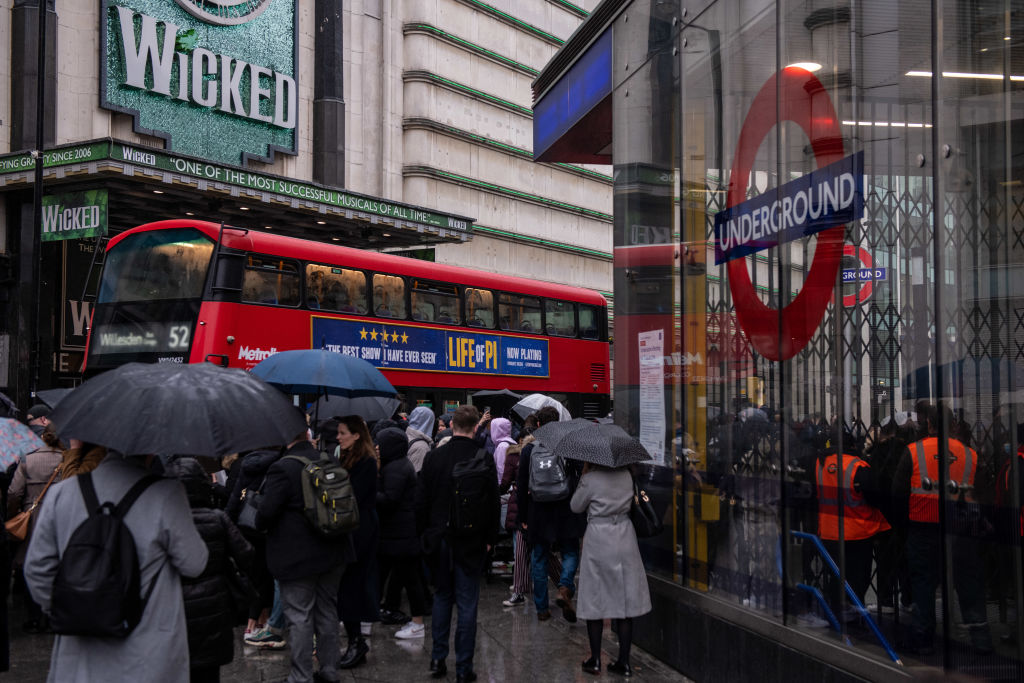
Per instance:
(318,371)
(15,441)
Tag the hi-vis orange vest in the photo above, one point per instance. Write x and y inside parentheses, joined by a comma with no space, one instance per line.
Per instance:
(924,495)
(860,519)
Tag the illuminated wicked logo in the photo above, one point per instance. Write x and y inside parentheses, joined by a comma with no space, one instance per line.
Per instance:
(217,79)
(224,12)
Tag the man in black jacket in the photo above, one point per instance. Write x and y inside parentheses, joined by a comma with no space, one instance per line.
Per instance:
(456,563)
(307,566)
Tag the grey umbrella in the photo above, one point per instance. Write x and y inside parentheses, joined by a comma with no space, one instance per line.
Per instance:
(535,402)
(602,444)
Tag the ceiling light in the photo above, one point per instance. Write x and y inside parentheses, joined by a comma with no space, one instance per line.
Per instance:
(807,66)
(244,208)
(885,124)
(387,234)
(335,238)
(268,227)
(158,191)
(984,49)
(189,213)
(1006,37)
(965,74)
(321,222)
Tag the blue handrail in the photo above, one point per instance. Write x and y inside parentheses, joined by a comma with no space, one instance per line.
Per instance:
(854,600)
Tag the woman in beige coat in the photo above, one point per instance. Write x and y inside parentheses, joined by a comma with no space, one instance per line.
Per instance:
(613,583)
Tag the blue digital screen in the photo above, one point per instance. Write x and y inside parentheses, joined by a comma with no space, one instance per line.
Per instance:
(406,347)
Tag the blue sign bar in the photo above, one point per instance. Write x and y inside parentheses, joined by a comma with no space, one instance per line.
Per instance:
(430,349)
(863,274)
(823,199)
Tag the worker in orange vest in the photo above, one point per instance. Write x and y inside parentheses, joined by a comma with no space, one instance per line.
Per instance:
(916,486)
(844,480)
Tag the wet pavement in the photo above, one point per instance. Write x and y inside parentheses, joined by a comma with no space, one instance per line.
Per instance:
(511,646)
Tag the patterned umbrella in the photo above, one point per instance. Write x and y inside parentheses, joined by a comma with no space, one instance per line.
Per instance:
(535,402)
(601,444)
(15,441)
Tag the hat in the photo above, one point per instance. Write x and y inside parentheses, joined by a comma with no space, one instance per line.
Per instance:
(37,411)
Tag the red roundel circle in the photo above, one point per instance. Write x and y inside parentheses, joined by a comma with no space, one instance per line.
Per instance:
(864,257)
(796,95)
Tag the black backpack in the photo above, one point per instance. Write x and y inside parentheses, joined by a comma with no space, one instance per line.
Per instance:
(472,481)
(97,590)
(548,479)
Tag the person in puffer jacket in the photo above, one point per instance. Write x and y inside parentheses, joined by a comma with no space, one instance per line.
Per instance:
(209,609)
(501,435)
(421,424)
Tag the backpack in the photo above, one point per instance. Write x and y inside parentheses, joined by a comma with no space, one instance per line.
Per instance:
(329,502)
(97,590)
(548,481)
(472,481)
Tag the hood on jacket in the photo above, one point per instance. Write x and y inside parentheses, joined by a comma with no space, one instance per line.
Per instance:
(422,420)
(256,463)
(393,444)
(189,472)
(501,430)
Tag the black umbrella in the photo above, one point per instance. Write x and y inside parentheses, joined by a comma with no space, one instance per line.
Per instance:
(601,444)
(499,400)
(552,433)
(198,409)
(52,397)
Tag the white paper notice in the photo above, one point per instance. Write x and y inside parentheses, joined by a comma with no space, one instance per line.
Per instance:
(651,352)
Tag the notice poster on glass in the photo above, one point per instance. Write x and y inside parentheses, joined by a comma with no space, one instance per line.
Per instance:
(651,354)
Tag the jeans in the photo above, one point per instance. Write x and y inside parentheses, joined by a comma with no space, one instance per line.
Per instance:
(570,551)
(276,619)
(309,608)
(455,585)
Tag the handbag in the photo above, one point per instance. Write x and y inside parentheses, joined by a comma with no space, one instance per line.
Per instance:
(646,521)
(250,510)
(19,526)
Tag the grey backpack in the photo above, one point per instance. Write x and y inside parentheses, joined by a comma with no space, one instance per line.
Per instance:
(548,480)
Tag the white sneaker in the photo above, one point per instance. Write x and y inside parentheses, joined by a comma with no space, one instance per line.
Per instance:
(411,630)
(364,628)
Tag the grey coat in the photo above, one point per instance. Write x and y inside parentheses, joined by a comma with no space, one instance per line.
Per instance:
(613,583)
(169,547)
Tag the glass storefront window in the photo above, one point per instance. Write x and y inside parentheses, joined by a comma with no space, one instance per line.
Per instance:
(830,254)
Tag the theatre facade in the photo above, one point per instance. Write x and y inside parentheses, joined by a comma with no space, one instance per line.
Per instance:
(818,243)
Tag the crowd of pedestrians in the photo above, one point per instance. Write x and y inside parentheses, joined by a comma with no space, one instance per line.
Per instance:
(221,543)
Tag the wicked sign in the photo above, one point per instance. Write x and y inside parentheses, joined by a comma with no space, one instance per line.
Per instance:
(218,80)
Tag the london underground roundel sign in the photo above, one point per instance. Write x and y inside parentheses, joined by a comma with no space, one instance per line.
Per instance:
(819,203)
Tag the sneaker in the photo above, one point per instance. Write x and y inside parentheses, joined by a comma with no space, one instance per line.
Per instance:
(267,640)
(393,617)
(515,599)
(251,637)
(411,630)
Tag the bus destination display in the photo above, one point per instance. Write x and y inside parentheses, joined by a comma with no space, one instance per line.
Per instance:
(407,347)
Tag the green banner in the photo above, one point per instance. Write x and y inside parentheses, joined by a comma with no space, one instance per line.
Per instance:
(74,215)
(197,168)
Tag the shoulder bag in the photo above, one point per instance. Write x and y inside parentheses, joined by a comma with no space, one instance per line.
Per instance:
(646,521)
(19,525)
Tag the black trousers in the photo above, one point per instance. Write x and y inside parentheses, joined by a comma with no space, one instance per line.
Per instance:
(858,569)
(407,573)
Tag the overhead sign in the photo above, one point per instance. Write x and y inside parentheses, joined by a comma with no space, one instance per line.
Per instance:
(867,275)
(800,208)
(74,215)
(205,171)
(796,95)
(431,349)
(215,78)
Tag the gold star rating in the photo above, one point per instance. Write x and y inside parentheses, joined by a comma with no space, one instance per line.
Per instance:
(405,338)
(362,333)
(373,335)
(394,336)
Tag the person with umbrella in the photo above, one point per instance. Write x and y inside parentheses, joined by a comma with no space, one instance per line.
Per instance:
(612,582)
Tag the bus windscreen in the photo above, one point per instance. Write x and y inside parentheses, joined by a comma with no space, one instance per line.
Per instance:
(151,266)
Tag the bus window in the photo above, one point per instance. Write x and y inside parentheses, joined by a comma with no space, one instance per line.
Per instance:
(479,308)
(589,323)
(388,296)
(435,302)
(560,318)
(270,281)
(330,288)
(519,313)
(146,266)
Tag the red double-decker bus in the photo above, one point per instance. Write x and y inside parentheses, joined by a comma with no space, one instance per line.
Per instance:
(187,291)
